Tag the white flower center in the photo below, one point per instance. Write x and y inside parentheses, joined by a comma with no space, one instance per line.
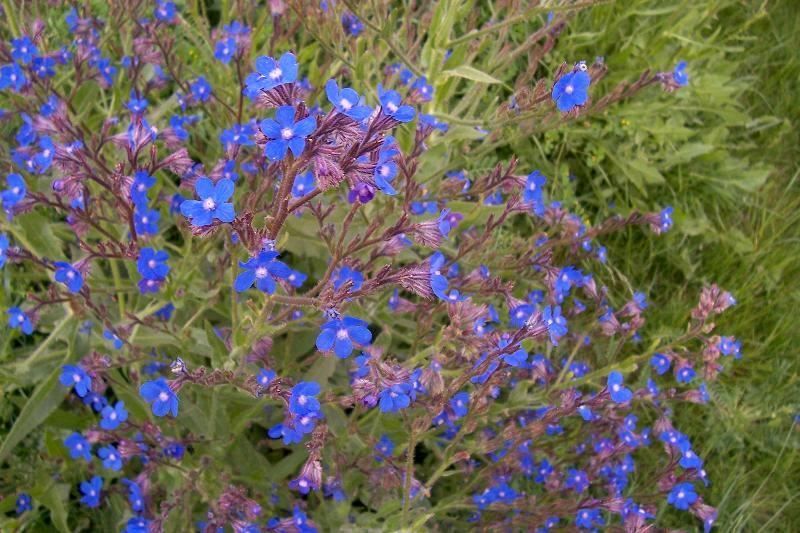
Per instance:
(113,415)
(163,396)
(391,106)
(151,263)
(569,89)
(275,73)
(76,378)
(209,204)
(261,272)
(615,388)
(302,399)
(287,133)
(342,334)
(15,190)
(345,103)
(144,220)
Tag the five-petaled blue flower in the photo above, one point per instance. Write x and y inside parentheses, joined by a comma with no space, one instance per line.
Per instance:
(303,399)
(392,106)
(572,89)
(75,376)
(682,496)
(113,416)
(270,73)
(261,270)
(145,221)
(152,264)
(341,334)
(303,184)
(213,203)
(224,49)
(13,76)
(660,363)
(160,395)
(142,182)
(78,446)
(111,457)
(285,134)
(18,319)
(577,480)
(395,398)
(23,503)
(23,50)
(679,74)
(15,192)
(619,393)
(69,276)
(555,322)
(201,89)
(345,101)
(91,491)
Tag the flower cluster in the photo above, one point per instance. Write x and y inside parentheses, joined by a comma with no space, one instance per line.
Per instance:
(211,271)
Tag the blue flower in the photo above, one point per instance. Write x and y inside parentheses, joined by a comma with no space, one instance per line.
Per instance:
(346,101)
(69,276)
(589,518)
(213,203)
(145,221)
(238,135)
(286,134)
(682,496)
(152,264)
(619,394)
(106,69)
(44,67)
(164,11)
(13,76)
(270,73)
(303,399)
(665,219)
(727,346)
(160,395)
(296,278)
(303,184)
(341,334)
(225,49)
(23,503)
(75,376)
(684,373)
(679,74)
(556,324)
(137,524)
(112,417)
(689,459)
(116,342)
(135,497)
(265,377)
(78,447)
(201,89)
(345,274)
(351,24)
(261,270)
(660,363)
(385,448)
(533,187)
(391,105)
(95,400)
(423,90)
(142,182)
(18,319)
(572,89)
(23,50)
(577,480)
(91,491)
(15,192)
(137,105)
(111,457)
(460,403)
(395,398)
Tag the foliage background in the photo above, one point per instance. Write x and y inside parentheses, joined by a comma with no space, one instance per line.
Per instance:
(724,152)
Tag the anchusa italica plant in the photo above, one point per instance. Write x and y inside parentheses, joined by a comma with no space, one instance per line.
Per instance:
(268,310)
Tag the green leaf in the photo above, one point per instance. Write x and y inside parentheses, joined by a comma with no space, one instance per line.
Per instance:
(52,495)
(470,73)
(45,399)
